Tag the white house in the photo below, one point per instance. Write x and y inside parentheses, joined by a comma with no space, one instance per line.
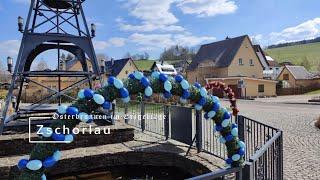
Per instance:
(164,68)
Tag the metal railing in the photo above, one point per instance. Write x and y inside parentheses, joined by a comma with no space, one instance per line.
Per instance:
(264,149)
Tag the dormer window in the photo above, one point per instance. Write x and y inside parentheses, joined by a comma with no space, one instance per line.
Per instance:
(240,61)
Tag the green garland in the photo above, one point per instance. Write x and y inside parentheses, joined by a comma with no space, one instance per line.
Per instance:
(137,85)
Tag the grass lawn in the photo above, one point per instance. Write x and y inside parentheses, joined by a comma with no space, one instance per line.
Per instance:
(144,64)
(296,54)
(317,92)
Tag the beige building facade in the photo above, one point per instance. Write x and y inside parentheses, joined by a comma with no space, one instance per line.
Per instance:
(230,61)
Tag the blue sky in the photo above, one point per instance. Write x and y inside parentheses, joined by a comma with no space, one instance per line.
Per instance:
(138,26)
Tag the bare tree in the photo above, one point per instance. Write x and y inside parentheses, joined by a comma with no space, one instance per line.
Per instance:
(127,55)
(42,65)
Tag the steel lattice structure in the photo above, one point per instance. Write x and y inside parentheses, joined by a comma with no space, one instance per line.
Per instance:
(52,24)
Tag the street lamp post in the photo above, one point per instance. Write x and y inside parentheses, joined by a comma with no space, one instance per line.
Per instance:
(10,63)
(93,30)
(20,24)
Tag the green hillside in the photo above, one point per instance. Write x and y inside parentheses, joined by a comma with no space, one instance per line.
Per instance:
(144,65)
(296,54)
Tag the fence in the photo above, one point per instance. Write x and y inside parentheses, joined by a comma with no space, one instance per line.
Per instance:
(264,147)
(296,91)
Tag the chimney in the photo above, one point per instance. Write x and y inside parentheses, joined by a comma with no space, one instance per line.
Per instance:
(112,61)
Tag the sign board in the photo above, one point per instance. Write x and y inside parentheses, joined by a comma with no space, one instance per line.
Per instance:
(181,124)
(241,84)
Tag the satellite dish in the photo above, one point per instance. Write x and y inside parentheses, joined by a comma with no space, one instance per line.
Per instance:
(58,4)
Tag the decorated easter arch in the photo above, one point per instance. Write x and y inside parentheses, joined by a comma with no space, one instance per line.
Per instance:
(46,156)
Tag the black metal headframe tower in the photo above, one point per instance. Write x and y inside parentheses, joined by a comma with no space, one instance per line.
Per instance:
(52,24)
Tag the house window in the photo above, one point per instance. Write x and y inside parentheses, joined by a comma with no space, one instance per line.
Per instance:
(286,77)
(240,61)
(127,72)
(251,62)
(261,88)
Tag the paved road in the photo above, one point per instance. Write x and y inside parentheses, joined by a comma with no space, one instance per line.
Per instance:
(301,138)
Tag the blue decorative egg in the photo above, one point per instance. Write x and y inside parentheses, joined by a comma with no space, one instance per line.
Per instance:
(62,109)
(234,132)
(58,137)
(107,105)
(126,100)
(236,157)
(124,92)
(206,116)
(167,86)
(198,107)
(105,83)
(167,95)
(138,75)
(111,80)
(72,110)
(46,132)
(211,114)
(183,101)
(155,74)
(241,144)
(186,94)
(184,84)
(229,137)
(229,161)
(148,91)
(68,138)
(225,123)
(241,151)
(216,106)
(222,140)
(131,76)
(57,155)
(234,125)
(215,99)
(99,99)
(84,117)
(202,101)
(163,77)
(49,162)
(81,94)
(197,85)
(226,115)
(34,165)
(219,128)
(203,92)
(145,82)
(178,78)
(22,164)
(118,83)
(88,93)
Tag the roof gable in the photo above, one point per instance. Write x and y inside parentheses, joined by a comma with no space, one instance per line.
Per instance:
(299,72)
(115,67)
(221,53)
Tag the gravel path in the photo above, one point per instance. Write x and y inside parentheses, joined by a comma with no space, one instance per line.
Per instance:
(301,138)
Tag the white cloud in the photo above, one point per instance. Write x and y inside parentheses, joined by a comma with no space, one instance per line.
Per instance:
(118,42)
(154,15)
(100,45)
(150,27)
(160,41)
(256,38)
(9,47)
(205,8)
(112,42)
(306,30)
